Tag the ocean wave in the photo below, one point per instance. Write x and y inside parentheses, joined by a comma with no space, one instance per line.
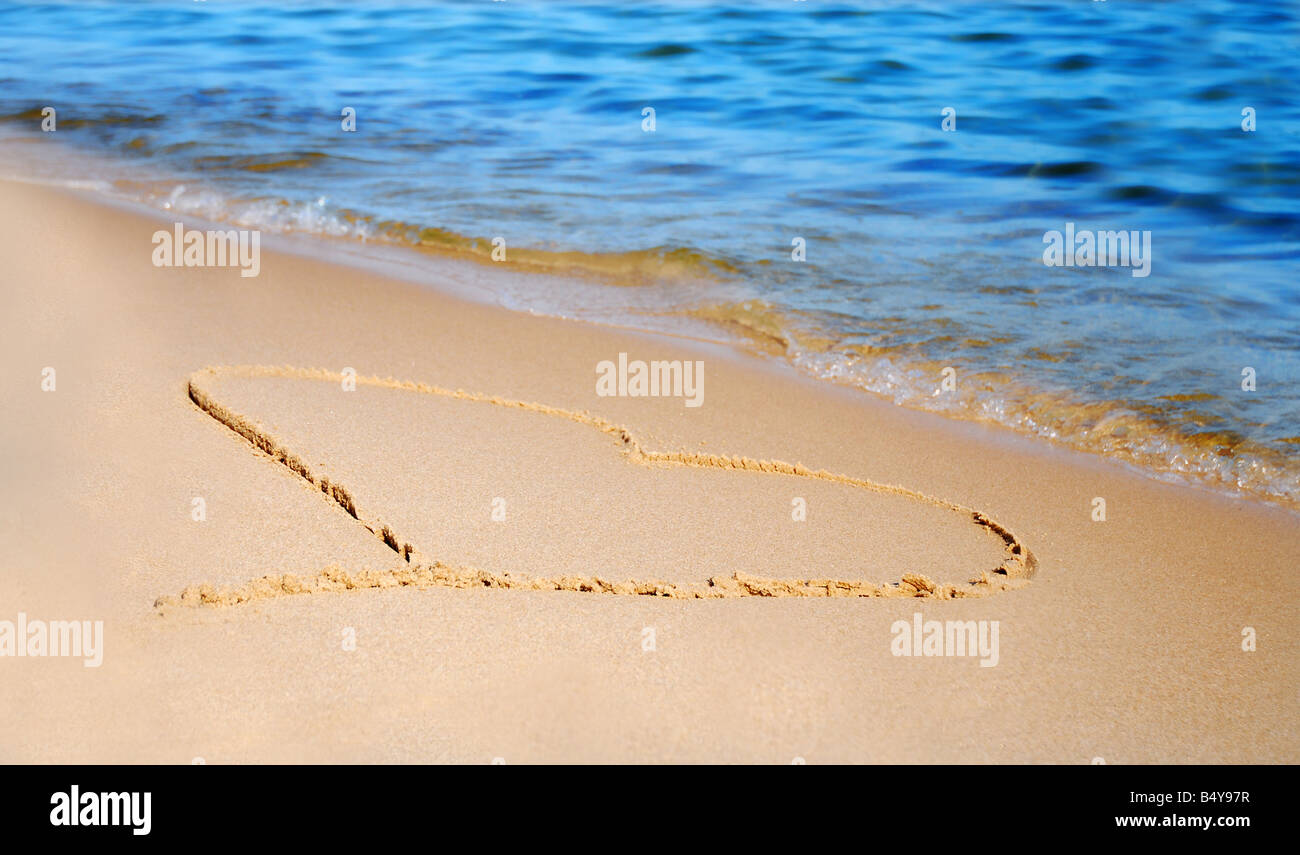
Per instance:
(1160,437)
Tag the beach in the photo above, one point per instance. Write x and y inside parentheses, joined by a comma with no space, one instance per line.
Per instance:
(474,445)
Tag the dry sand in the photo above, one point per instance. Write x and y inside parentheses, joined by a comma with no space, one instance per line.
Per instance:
(1118,639)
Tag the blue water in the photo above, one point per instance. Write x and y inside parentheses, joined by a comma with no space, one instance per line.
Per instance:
(773,121)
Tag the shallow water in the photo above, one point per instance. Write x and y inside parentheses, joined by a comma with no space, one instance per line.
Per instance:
(773,121)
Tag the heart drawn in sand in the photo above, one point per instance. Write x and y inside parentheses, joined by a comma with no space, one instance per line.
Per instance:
(473,490)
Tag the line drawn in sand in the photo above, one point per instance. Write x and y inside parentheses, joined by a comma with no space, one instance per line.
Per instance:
(1013,572)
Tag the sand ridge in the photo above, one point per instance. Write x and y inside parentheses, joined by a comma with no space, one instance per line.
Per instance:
(1017,567)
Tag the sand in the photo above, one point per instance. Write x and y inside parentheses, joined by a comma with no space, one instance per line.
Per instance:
(647,595)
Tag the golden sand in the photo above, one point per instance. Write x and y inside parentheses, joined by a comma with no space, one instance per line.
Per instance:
(1126,645)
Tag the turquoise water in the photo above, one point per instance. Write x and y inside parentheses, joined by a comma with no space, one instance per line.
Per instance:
(773,121)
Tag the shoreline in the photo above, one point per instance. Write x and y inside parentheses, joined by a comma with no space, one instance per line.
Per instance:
(1125,644)
(1223,460)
